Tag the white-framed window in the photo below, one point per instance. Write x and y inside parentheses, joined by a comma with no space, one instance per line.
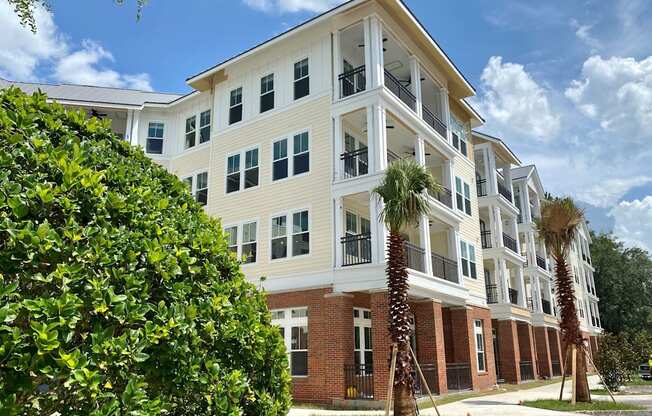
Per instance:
(460,139)
(294,241)
(463,194)
(293,324)
(301,79)
(240,177)
(267,93)
(191,131)
(235,105)
(283,165)
(204,126)
(154,144)
(198,186)
(467,255)
(363,356)
(243,240)
(478,330)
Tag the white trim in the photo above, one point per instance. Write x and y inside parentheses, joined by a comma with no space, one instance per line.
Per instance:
(287,323)
(289,234)
(162,138)
(239,242)
(242,169)
(289,137)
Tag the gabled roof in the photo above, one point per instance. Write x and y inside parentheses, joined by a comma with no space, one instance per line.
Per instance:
(98,96)
(529,172)
(501,145)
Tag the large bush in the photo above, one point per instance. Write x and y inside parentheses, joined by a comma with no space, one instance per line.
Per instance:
(117,292)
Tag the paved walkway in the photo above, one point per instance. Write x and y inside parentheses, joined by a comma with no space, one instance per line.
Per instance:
(503,404)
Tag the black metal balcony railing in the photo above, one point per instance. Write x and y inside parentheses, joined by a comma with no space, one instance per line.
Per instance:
(527,370)
(545,305)
(356,249)
(399,90)
(353,81)
(429,371)
(458,376)
(481,187)
(502,189)
(513,296)
(414,256)
(510,243)
(556,368)
(358,382)
(541,262)
(485,237)
(492,293)
(445,196)
(433,121)
(444,268)
(356,163)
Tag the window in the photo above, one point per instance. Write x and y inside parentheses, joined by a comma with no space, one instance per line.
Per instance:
(301,79)
(293,325)
(233,174)
(463,194)
(467,254)
(478,330)
(250,178)
(242,241)
(460,141)
(301,153)
(280,161)
(362,342)
(299,243)
(198,186)
(191,130)
(235,106)
(154,138)
(267,93)
(205,126)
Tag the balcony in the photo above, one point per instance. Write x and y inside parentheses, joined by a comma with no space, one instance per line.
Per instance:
(433,121)
(513,296)
(356,249)
(444,268)
(510,243)
(545,305)
(541,262)
(481,187)
(356,163)
(492,293)
(414,256)
(359,382)
(502,189)
(353,81)
(458,376)
(485,237)
(400,91)
(445,196)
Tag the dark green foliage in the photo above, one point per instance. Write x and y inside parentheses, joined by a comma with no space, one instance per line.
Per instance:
(117,292)
(613,359)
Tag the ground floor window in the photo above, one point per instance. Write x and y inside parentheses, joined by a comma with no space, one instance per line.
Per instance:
(293,324)
(362,343)
(478,329)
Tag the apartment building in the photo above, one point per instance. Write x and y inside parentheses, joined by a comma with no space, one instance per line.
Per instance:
(284,142)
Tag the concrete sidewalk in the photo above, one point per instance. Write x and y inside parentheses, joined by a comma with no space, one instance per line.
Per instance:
(503,404)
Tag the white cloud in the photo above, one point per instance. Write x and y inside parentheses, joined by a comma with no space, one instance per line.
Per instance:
(606,193)
(617,94)
(513,102)
(292,6)
(21,51)
(48,55)
(83,67)
(633,222)
(583,33)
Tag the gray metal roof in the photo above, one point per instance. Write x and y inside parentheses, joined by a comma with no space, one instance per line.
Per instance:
(92,94)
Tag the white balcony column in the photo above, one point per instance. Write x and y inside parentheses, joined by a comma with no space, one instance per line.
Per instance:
(339,229)
(446,113)
(526,213)
(377,138)
(520,286)
(513,225)
(379,231)
(135,126)
(424,239)
(449,179)
(503,279)
(366,28)
(536,294)
(496,227)
(415,85)
(337,64)
(492,176)
(453,236)
(338,146)
(374,40)
(420,151)
(507,176)
(130,119)
(531,249)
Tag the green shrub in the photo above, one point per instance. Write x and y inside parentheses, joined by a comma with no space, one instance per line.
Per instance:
(117,292)
(613,360)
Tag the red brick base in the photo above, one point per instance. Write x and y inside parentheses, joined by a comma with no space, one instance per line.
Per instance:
(544,358)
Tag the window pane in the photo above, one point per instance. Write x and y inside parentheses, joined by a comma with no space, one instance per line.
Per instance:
(474,272)
(235,114)
(236,96)
(351,223)
(300,313)
(467,206)
(280,169)
(202,180)
(465,267)
(278,315)
(280,149)
(356,337)
(233,164)
(267,83)
(301,143)
(154,146)
(463,250)
(204,134)
(301,244)
(301,88)
(267,101)
(300,222)
(367,338)
(249,232)
(190,139)
(301,69)
(279,226)
(301,163)
(232,235)
(155,130)
(299,363)
(299,338)
(233,183)
(188,182)
(279,248)
(251,178)
(467,190)
(249,252)
(202,197)
(251,158)
(190,124)
(369,362)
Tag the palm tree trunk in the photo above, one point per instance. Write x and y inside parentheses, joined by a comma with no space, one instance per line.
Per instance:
(399,325)
(570,325)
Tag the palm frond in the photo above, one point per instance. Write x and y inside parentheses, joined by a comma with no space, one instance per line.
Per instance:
(558,224)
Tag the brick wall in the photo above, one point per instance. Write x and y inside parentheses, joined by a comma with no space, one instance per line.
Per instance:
(544,358)
(430,342)
(509,355)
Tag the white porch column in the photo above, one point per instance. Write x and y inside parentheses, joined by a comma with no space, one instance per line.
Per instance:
(424,239)
(366,27)
(492,178)
(536,294)
(454,251)
(525,203)
(376,64)
(337,64)
(380,133)
(420,151)
(338,145)
(338,211)
(130,120)
(520,286)
(379,231)
(446,112)
(415,85)
(134,128)
(503,279)
(449,179)
(507,176)
(496,227)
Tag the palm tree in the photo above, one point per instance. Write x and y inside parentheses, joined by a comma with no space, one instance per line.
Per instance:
(403,190)
(560,218)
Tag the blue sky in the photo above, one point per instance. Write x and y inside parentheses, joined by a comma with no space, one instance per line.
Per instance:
(567,84)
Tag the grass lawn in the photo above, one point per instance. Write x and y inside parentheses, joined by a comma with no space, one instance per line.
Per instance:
(565,406)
